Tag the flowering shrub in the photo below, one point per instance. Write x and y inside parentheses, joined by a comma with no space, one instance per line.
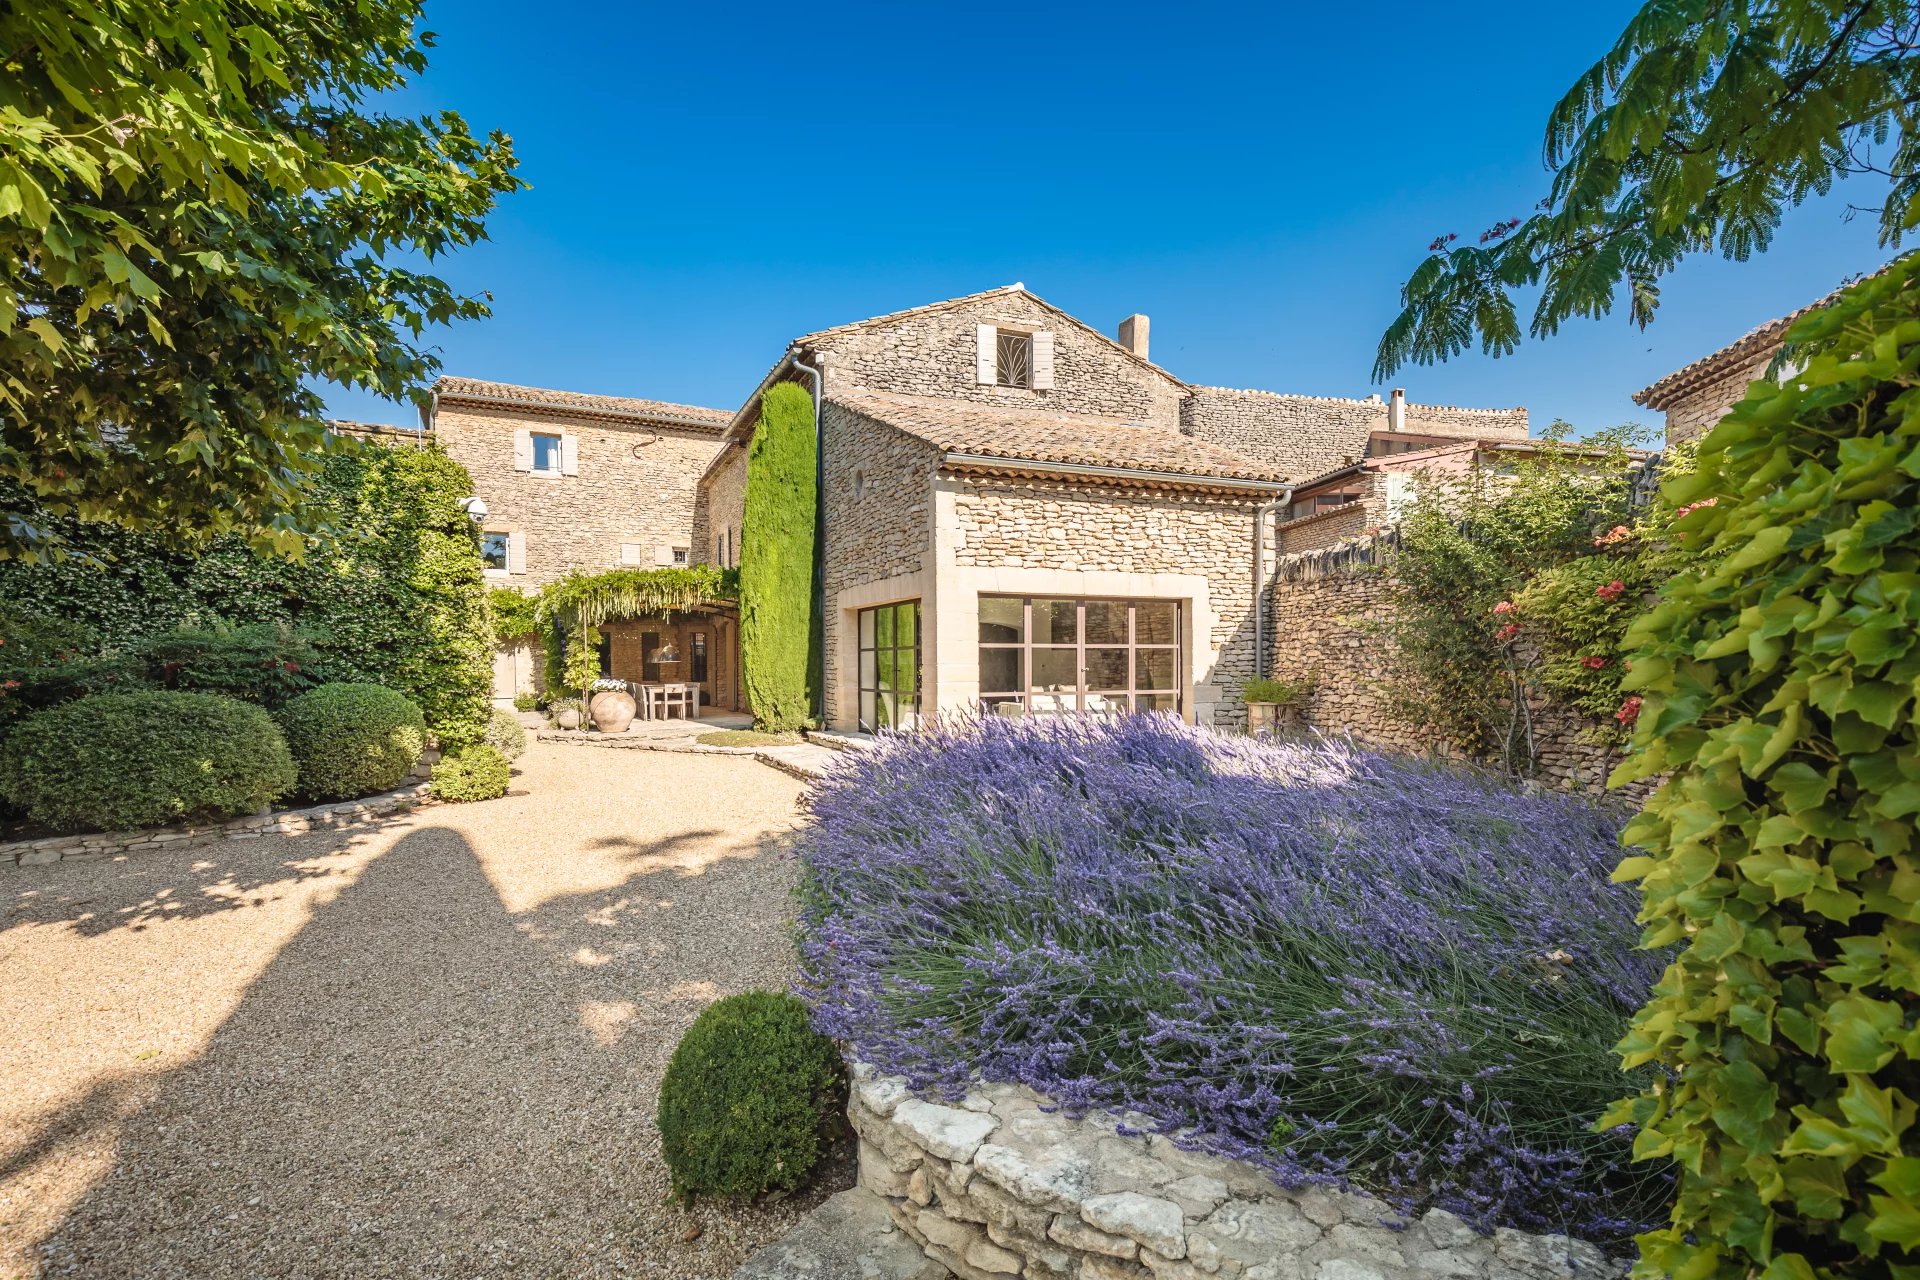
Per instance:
(1341,966)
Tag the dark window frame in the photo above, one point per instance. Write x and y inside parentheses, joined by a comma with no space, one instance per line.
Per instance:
(871,626)
(1012,358)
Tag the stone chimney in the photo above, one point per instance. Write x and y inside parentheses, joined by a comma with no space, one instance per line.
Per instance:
(1133,335)
(1397,410)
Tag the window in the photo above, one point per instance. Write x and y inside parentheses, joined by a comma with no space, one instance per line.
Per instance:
(697,657)
(683,555)
(493,551)
(546,453)
(1053,657)
(859,484)
(1013,358)
(890,667)
(649,665)
(1315,503)
(633,554)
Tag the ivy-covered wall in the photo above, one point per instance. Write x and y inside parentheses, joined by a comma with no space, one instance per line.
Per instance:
(779,628)
(396,595)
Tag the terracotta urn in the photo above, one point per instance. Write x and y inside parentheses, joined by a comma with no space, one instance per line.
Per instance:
(613,710)
(567,718)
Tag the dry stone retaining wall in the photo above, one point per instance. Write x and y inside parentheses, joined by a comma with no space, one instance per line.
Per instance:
(292,822)
(997,1185)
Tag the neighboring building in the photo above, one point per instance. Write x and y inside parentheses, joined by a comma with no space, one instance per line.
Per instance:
(1025,515)
(1698,395)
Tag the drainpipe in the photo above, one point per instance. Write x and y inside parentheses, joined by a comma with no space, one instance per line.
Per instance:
(819,533)
(1260,515)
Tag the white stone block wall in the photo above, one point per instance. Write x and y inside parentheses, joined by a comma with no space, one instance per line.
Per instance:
(994,1186)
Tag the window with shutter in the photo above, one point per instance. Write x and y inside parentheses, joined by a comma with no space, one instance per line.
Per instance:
(1042,347)
(569,455)
(633,554)
(986,339)
(546,453)
(1013,358)
(523,450)
(516,552)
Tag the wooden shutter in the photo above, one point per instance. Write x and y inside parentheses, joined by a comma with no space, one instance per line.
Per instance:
(1043,360)
(517,552)
(984,361)
(569,455)
(631,554)
(523,450)
(663,555)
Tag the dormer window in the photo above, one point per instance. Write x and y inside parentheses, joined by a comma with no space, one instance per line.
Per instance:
(1013,358)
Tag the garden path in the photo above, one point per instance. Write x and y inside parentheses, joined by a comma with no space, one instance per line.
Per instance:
(425,1048)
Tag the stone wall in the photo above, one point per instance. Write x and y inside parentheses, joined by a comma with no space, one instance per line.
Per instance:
(1308,436)
(635,484)
(1040,524)
(879,521)
(1000,1184)
(1328,625)
(931,353)
(1690,415)
(719,509)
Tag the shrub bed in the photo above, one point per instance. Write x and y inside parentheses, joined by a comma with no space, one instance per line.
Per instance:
(506,734)
(120,760)
(1340,966)
(353,739)
(747,1097)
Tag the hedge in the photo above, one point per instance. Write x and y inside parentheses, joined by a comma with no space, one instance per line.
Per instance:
(394,596)
(779,635)
(117,761)
(352,740)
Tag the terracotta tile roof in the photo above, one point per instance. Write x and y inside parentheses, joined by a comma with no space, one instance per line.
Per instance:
(1041,436)
(479,391)
(1748,347)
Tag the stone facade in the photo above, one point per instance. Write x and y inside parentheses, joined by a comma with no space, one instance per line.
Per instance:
(720,507)
(1003,527)
(1308,436)
(1001,1184)
(631,499)
(879,530)
(931,352)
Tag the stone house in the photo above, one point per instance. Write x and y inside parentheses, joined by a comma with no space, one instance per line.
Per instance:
(1019,512)
(1025,515)
(575,481)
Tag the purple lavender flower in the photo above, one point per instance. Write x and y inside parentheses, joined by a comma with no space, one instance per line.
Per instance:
(1345,967)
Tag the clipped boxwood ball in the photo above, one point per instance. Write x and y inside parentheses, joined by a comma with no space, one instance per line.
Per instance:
(478,773)
(352,739)
(747,1097)
(119,760)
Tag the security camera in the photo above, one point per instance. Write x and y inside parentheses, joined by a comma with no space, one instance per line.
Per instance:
(476,508)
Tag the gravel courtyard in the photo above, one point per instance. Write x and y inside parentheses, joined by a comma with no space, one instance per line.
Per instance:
(425,1048)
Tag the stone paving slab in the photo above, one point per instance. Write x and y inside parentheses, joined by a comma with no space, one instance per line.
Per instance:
(850,1237)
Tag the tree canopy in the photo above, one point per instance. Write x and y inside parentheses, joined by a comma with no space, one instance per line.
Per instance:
(1704,124)
(204,215)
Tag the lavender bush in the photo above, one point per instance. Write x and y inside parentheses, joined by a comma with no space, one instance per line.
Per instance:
(1342,966)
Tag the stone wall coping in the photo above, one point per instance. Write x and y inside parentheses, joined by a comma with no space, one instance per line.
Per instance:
(1000,1183)
(1373,401)
(91,846)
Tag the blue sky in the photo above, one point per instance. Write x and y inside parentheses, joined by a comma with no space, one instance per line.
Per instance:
(709,180)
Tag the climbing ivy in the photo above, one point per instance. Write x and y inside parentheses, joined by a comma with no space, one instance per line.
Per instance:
(1778,676)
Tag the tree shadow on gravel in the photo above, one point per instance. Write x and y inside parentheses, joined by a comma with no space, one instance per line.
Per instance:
(93,898)
(422,1083)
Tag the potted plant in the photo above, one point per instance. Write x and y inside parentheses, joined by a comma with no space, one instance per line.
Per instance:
(565,713)
(612,707)
(1273,705)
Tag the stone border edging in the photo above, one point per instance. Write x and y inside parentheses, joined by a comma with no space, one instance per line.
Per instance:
(994,1186)
(325,817)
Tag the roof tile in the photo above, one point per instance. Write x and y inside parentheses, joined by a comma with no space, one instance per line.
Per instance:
(482,391)
(1021,434)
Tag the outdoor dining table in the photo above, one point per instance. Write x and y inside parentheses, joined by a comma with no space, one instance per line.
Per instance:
(659,699)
